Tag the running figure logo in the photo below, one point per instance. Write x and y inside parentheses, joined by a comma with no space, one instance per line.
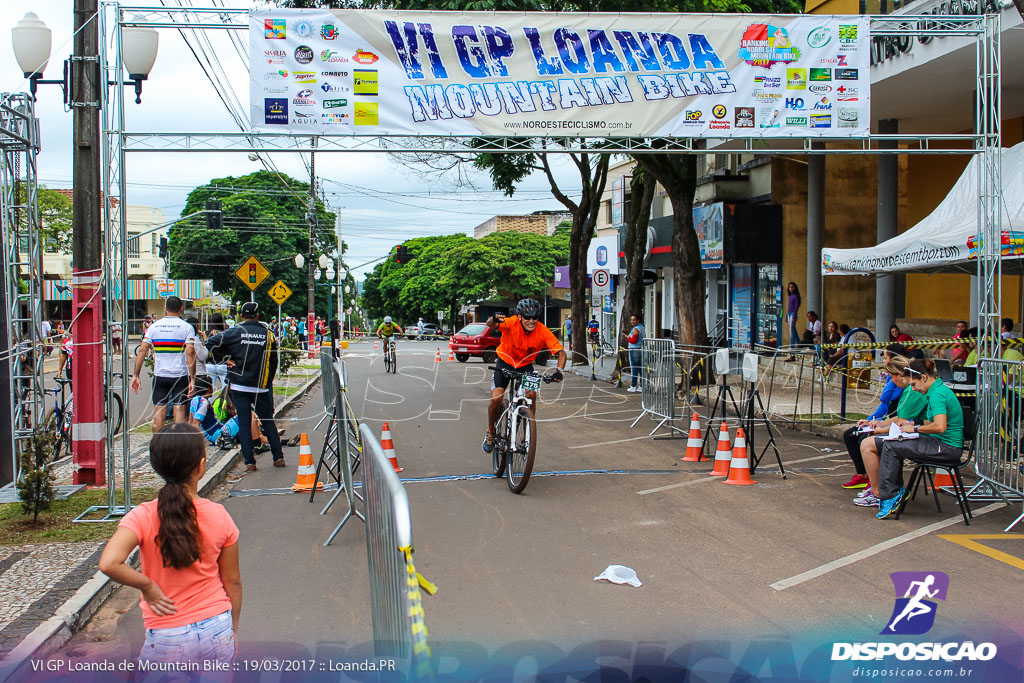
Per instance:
(914,612)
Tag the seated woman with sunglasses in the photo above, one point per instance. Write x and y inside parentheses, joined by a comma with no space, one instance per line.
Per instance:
(940,441)
(523,336)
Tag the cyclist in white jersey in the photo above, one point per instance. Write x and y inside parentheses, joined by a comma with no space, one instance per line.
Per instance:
(174,363)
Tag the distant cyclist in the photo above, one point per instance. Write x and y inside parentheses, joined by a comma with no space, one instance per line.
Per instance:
(388,329)
(594,330)
(523,336)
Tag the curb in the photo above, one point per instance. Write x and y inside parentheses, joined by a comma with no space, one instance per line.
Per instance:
(75,613)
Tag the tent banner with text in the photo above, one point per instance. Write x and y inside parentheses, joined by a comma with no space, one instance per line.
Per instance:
(376,72)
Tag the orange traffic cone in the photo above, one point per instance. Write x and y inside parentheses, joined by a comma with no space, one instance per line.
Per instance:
(437,356)
(723,454)
(388,447)
(306,475)
(694,444)
(739,468)
(451,354)
(942,478)
(375,346)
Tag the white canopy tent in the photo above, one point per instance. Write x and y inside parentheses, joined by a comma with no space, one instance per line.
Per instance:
(946,240)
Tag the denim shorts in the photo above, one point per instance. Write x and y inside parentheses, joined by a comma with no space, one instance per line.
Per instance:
(211,639)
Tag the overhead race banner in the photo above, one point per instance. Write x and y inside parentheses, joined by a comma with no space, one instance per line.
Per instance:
(373,72)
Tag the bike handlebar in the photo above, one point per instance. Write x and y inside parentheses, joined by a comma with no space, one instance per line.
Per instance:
(519,375)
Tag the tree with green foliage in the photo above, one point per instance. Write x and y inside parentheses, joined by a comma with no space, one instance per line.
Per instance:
(264,215)
(36,485)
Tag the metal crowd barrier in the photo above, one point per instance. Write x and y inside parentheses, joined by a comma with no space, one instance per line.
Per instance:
(341,454)
(399,625)
(658,398)
(998,452)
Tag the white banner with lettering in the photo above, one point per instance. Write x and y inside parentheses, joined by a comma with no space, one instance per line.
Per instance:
(375,72)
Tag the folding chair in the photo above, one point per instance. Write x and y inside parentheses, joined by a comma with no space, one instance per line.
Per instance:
(925,471)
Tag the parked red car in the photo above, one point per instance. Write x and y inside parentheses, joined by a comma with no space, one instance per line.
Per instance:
(475,339)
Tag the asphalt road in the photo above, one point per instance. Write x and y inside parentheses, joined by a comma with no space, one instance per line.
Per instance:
(725,569)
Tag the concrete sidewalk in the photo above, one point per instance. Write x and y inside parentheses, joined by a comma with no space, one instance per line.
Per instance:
(49,591)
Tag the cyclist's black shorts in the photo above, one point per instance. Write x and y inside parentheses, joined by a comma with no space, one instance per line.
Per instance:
(500,380)
(173,390)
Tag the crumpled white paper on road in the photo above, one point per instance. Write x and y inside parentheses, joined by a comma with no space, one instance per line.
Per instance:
(617,573)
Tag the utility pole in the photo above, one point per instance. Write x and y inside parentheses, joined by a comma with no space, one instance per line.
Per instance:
(88,429)
(311,310)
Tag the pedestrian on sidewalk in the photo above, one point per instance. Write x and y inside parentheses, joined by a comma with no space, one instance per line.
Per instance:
(174,363)
(792,311)
(250,351)
(190,582)
(635,342)
(47,329)
(115,337)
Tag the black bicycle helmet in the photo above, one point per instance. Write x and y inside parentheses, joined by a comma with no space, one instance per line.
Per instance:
(528,308)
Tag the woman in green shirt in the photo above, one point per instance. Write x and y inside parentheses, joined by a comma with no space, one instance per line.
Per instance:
(940,441)
(910,409)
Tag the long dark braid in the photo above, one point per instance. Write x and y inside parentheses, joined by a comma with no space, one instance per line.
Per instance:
(175,452)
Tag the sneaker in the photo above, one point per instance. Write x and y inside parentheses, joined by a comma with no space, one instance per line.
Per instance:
(865,492)
(890,505)
(859,481)
(866,501)
(488,444)
(632,390)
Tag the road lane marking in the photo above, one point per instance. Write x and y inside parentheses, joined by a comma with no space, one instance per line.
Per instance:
(876,549)
(608,443)
(969,541)
(696,481)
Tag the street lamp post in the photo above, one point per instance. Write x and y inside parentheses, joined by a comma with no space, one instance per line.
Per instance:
(84,92)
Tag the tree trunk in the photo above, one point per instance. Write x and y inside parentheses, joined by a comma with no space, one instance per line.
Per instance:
(642,188)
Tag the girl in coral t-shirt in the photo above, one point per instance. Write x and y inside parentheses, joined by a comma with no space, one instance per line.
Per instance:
(191,588)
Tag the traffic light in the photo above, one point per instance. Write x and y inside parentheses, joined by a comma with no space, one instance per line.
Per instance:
(215,217)
(162,250)
(402,255)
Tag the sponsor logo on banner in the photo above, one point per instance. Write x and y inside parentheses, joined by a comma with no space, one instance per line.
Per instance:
(331,56)
(848,36)
(913,614)
(838,60)
(364,57)
(764,45)
(796,79)
(847,117)
(335,119)
(766,97)
(794,103)
(275,91)
(821,75)
(334,74)
(819,88)
(819,37)
(275,110)
(744,117)
(273,29)
(768,81)
(303,54)
(329,32)
(821,120)
(846,94)
(335,104)
(719,111)
(304,77)
(847,74)
(365,113)
(304,101)
(303,29)
(694,117)
(770,117)
(304,118)
(333,87)
(275,76)
(305,92)
(275,56)
(364,82)
(796,120)
(823,104)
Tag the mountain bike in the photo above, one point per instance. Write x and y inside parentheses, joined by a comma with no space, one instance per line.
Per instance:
(59,418)
(601,347)
(515,438)
(390,360)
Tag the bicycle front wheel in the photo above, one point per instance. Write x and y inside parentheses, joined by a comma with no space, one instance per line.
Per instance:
(499,454)
(118,415)
(522,449)
(51,427)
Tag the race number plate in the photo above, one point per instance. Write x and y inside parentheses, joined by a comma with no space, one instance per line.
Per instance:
(462,349)
(531,382)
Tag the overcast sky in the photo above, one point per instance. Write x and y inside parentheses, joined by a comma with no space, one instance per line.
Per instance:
(382,203)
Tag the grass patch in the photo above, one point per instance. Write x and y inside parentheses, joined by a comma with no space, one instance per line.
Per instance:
(55,525)
(144,428)
(286,391)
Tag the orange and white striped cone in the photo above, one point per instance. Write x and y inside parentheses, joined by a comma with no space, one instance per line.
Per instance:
(306,475)
(723,453)
(942,478)
(739,467)
(388,447)
(451,354)
(376,346)
(437,356)
(695,443)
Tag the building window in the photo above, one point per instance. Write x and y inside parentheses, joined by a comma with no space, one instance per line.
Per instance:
(133,245)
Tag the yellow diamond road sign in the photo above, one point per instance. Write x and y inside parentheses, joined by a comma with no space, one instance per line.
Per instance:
(252,273)
(279,292)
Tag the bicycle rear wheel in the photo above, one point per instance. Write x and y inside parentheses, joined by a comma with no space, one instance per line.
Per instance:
(118,414)
(51,427)
(522,450)
(499,453)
